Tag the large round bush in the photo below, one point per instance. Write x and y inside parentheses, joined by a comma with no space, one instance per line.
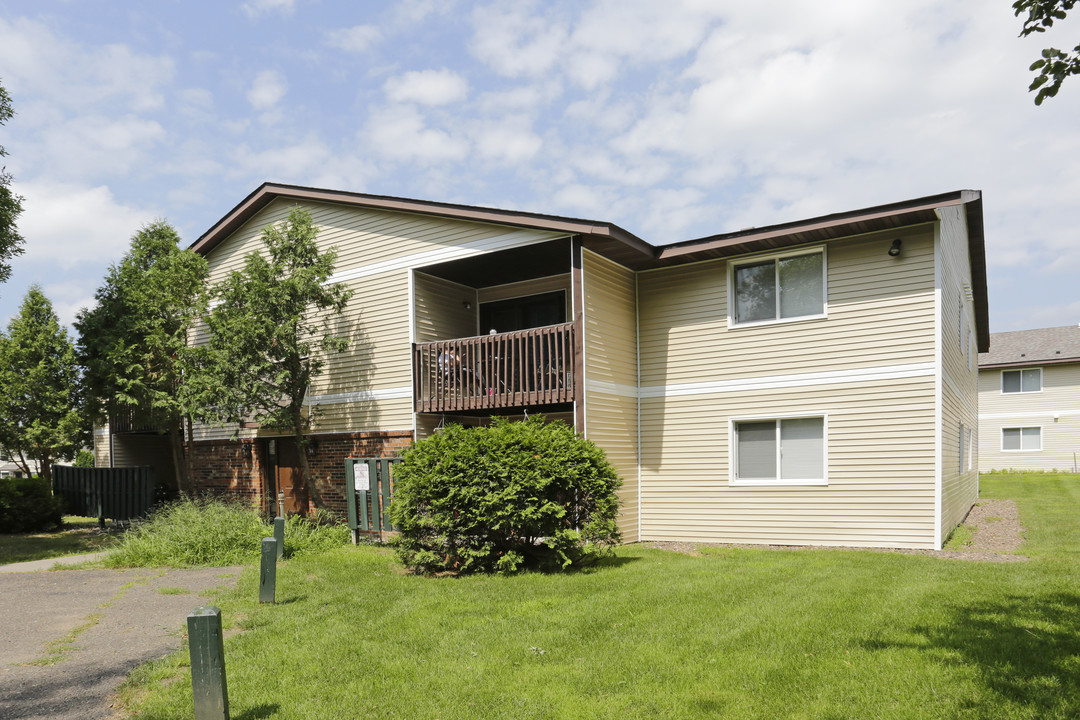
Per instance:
(502,498)
(27,505)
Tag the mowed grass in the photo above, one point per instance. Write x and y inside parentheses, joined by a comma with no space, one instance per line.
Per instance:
(77,535)
(732,633)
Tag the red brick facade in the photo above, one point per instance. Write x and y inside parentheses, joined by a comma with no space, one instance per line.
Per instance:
(241,467)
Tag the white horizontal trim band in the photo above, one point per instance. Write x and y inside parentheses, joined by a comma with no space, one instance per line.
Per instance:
(607,388)
(826,377)
(517,238)
(359,396)
(1034,414)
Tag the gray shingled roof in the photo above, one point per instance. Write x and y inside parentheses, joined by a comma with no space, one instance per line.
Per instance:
(1057,344)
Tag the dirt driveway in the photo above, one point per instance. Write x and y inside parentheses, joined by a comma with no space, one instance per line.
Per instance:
(70,637)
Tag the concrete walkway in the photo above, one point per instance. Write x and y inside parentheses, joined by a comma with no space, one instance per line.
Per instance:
(69,638)
(35,565)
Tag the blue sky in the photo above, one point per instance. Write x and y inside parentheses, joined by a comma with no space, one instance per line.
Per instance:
(673,119)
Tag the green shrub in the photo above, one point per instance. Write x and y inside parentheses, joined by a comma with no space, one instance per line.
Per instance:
(207,533)
(503,498)
(28,505)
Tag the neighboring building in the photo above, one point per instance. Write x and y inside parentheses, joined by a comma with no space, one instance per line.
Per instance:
(1029,400)
(803,383)
(11,469)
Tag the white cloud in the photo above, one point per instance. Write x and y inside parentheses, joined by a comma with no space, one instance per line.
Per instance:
(67,225)
(400,133)
(61,73)
(515,42)
(508,140)
(358,38)
(92,145)
(254,8)
(427,87)
(266,90)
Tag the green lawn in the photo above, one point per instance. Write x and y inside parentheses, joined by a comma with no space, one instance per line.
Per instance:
(78,535)
(733,633)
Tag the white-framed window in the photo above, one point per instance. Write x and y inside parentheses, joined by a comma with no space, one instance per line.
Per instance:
(777,288)
(963,448)
(963,328)
(970,449)
(789,450)
(1021,439)
(1021,381)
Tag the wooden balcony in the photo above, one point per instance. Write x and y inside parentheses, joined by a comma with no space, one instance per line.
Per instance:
(522,369)
(123,419)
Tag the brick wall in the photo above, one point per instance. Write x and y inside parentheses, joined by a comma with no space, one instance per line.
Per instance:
(224,467)
(220,466)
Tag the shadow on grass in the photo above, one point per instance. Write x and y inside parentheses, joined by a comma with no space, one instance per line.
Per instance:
(259,712)
(1025,649)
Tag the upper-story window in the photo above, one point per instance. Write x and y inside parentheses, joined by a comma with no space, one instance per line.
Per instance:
(1021,381)
(781,287)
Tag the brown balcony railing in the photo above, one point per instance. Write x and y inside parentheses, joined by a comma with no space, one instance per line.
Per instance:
(507,370)
(122,419)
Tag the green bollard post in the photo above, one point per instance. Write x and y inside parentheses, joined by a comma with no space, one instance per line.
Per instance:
(279,535)
(268,570)
(207,650)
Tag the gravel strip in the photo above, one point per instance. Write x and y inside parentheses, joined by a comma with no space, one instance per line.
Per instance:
(997,536)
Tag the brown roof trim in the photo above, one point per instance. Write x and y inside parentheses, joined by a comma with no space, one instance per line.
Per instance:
(1032,363)
(268,192)
(902,213)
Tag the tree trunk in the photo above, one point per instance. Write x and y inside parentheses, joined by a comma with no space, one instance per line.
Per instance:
(176,441)
(305,467)
(45,470)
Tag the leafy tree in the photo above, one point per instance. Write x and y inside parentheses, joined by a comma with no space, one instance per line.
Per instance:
(10,203)
(134,343)
(1055,65)
(502,498)
(269,334)
(39,409)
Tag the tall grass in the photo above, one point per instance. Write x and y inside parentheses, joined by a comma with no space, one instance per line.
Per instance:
(206,533)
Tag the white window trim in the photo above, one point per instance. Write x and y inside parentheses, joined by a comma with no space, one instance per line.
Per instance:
(733,324)
(735,481)
(1021,391)
(1021,428)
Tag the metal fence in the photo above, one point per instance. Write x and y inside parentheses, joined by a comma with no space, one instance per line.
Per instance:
(116,493)
(368,488)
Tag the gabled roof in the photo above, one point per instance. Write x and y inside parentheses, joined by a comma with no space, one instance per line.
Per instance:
(1046,346)
(631,251)
(600,232)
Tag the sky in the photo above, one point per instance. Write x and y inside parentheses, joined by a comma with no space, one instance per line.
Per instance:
(674,120)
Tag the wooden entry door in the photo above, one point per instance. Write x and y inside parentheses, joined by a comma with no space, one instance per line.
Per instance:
(288,478)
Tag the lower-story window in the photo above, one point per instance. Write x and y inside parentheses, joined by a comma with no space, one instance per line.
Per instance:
(1021,438)
(781,451)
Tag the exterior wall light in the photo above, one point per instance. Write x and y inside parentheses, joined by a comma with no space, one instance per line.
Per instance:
(894,251)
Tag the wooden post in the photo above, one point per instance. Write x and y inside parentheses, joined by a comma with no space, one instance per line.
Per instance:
(268,570)
(207,650)
(279,535)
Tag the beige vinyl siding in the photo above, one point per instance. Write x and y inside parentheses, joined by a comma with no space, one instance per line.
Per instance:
(880,468)
(1060,397)
(880,433)
(880,312)
(959,389)
(439,310)
(611,376)
(102,446)
(377,367)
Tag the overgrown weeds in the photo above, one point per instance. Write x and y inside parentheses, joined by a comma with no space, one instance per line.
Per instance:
(201,532)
